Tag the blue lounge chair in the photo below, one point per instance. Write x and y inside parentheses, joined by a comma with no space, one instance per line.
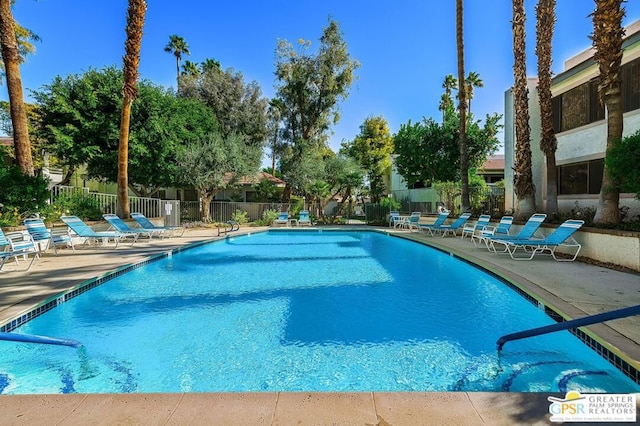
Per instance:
(550,243)
(413,222)
(303,218)
(453,228)
(283,219)
(120,225)
(469,229)
(527,232)
(394,218)
(145,223)
(502,229)
(46,238)
(83,230)
(442,216)
(15,245)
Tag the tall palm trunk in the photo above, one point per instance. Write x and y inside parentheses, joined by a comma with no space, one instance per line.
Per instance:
(607,40)
(11,58)
(523,176)
(464,156)
(545,22)
(135,23)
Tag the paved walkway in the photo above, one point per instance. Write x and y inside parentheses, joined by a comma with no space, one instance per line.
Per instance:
(573,289)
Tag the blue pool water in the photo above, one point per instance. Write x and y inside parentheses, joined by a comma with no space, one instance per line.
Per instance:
(294,311)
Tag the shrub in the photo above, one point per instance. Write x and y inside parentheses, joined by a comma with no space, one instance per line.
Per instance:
(26,193)
(268,216)
(240,216)
(9,216)
(623,162)
(390,203)
(77,204)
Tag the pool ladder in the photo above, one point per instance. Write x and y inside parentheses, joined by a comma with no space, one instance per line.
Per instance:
(579,322)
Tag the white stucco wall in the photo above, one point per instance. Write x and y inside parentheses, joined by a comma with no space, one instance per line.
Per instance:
(572,147)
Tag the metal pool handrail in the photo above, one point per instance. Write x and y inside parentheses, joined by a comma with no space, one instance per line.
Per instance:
(30,338)
(591,319)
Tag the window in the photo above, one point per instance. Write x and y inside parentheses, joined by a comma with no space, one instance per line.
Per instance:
(581,178)
(190,195)
(581,105)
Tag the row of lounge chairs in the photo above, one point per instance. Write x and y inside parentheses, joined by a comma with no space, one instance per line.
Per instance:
(284,219)
(39,238)
(497,238)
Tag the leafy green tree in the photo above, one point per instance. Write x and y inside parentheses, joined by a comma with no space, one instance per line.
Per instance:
(177,46)
(428,151)
(239,107)
(309,88)
(79,119)
(318,192)
(266,191)
(214,163)
(37,144)
(372,148)
(344,176)
(22,192)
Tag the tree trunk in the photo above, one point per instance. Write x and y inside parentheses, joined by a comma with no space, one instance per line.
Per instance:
(11,58)
(608,210)
(135,23)
(462,105)
(122,207)
(206,197)
(523,176)
(545,22)
(607,40)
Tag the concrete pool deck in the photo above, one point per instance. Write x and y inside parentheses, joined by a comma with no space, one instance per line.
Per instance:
(574,289)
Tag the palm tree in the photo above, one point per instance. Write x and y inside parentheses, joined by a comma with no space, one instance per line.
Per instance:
(178,47)
(462,106)
(12,58)
(523,176)
(24,37)
(545,22)
(210,64)
(450,83)
(135,23)
(607,41)
(190,68)
(472,81)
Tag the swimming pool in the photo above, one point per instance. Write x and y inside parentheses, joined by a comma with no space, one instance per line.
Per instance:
(292,311)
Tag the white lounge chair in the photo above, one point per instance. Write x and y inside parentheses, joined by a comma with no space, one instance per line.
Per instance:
(15,245)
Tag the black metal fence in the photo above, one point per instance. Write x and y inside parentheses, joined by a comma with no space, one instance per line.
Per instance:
(221,211)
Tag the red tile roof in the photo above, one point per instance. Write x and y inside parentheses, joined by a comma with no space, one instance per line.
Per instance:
(495,162)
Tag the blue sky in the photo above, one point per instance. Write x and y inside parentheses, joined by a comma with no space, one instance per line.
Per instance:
(405,47)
